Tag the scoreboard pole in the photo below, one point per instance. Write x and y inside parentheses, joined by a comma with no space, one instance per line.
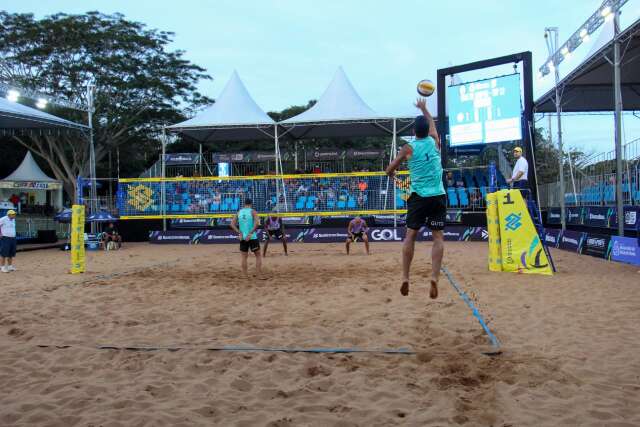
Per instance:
(527,123)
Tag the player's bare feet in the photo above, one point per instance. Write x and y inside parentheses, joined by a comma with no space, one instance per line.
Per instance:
(404,289)
(433,292)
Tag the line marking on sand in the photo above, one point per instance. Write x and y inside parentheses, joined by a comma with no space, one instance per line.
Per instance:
(233,348)
(494,341)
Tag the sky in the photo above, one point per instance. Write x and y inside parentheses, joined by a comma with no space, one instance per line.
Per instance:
(286,51)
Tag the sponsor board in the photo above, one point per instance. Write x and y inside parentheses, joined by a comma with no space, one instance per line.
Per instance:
(571,240)
(553,216)
(625,249)
(316,235)
(552,237)
(596,245)
(597,216)
(192,223)
(576,215)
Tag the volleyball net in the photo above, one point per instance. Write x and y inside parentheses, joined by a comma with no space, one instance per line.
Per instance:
(328,194)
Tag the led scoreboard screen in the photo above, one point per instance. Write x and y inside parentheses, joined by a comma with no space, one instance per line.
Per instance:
(485,111)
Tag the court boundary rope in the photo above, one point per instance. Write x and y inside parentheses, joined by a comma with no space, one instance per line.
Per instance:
(494,340)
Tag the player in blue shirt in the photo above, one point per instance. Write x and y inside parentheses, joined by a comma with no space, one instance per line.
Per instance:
(427,203)
(245,223)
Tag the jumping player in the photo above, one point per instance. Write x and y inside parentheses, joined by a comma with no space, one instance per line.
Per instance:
(357,229)
(245,223)
(274,227)
(427,202)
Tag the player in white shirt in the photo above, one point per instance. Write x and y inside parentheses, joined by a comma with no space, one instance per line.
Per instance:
(520,174)
(8,241)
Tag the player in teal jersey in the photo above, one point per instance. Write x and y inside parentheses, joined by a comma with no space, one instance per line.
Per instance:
(245,223)
(427,203)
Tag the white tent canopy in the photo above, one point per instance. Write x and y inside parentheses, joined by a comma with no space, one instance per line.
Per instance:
(28,177)
(14,116)
(340,111)
(235,116)
(29,171)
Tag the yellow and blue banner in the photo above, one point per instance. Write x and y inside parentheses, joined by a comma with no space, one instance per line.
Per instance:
(77,239)
(520,247)
(493,229)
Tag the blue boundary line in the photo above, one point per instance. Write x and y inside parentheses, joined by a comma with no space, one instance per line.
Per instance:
(474,310)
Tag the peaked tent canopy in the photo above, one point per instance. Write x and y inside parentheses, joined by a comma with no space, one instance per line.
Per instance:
(14,116)
(29,171)
(341,112)
(589,87)
(235,116)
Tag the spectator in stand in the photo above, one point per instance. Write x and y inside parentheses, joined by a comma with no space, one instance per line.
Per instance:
(361,200)
(362,186)
(450,180)
(302,190)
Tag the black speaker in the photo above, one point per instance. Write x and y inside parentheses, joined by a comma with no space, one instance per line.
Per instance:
(47,236)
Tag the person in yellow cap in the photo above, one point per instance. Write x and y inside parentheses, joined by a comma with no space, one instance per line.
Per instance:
(520,175)
(8,241)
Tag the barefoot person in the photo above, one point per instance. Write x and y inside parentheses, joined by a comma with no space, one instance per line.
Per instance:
(245,223)
(427,202)
(274,227)
(357,229)
(8,241)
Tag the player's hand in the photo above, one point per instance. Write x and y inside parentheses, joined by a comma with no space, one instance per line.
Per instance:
(421,104)
(509,180)
(248,237)
(240,237)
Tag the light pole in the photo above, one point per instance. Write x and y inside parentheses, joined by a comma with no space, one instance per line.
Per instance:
(618,121)
(93,205)
(551,38)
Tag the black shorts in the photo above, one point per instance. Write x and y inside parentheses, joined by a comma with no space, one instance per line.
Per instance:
(431,211)
(356,236)
(253,245)
(7,247)
(275,233)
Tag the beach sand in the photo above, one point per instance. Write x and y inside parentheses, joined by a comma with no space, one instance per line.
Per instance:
(570,342)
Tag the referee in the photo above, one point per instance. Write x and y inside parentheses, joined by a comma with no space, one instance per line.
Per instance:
(519,177)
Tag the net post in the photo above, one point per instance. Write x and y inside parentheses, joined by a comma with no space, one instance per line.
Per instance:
(163,192)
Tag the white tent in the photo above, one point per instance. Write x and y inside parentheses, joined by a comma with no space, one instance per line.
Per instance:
(340,111)
(29,178)
(235,116)
(14,116)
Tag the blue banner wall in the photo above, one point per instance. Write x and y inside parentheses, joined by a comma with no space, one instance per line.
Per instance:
(625,249)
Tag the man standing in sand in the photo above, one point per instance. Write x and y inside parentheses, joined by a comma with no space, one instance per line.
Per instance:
(427,203)
(8,241)
(245,223)
(274,227)
(357,229)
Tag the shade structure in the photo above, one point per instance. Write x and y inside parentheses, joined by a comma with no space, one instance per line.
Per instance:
(102,216)
(341,112)
(29,171)
(14,116)
(64,216)
(589,87)
(235,116)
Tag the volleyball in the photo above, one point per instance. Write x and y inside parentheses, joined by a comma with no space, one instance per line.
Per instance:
(426,87)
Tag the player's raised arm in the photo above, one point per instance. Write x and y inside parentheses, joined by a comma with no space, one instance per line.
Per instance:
(421,104)
(404,154)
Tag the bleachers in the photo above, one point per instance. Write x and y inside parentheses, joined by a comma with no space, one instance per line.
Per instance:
(304,194)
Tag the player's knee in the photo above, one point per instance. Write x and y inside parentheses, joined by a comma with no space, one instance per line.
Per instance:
(438,235)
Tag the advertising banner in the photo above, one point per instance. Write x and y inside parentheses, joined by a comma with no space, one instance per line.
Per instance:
(371,153)
(553,216)
(601,216)
(77,239)
(182,158)
(625,249)
(192,223)
(572,241)
(320,155)
(316,235)
(521,247)
(552,237)
(576,215)
(596,245)
(632,217)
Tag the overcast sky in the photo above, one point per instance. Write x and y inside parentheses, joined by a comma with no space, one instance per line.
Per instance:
(286,51)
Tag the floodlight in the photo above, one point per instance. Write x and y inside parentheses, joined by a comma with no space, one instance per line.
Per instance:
(13,95)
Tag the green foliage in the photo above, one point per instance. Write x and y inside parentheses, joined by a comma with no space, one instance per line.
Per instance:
(140,84)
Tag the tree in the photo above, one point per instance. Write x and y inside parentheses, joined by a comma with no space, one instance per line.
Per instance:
(140,84)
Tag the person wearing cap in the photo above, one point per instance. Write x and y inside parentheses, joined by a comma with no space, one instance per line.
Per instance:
(520,174)
(8,241)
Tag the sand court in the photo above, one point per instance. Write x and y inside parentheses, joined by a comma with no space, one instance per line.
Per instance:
(570,341)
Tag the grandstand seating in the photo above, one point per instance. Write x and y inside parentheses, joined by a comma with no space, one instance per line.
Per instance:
(299,194)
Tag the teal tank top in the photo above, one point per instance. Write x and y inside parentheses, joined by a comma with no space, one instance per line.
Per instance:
(425,168)
(245,223)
